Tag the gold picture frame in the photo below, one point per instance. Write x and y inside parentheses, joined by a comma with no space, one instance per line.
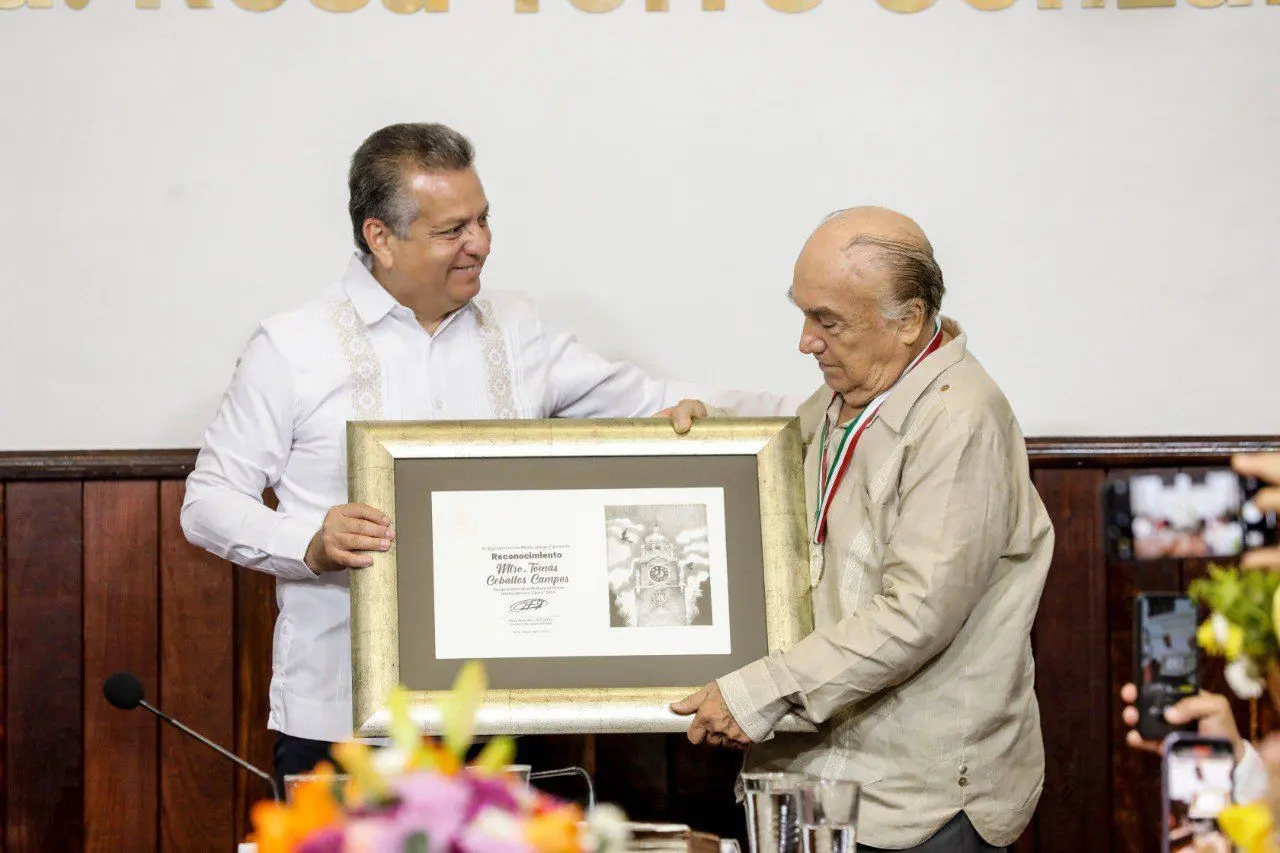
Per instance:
(767,451)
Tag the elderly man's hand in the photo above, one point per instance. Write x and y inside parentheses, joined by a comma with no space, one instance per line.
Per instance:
(683,413)
(712,719)
(1266,467)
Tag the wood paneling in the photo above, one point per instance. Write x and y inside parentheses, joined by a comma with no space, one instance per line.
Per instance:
(121,632)
(1135,775)
(84,465)
(44,699)
(701,783)
(1071,667)
(197,686)
(255,604)
(4,630)
(1044,453)
(74,774)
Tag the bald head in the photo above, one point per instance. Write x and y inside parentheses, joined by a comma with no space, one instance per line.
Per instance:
(873,247)
(876,222)
(870,291)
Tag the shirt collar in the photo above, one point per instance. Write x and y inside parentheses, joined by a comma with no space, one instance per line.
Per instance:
(914,384)
(372,301)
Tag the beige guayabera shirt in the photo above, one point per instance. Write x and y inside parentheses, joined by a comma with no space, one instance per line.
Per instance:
(919,669)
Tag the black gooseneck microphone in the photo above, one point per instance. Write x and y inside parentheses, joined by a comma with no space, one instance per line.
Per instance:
(124,691)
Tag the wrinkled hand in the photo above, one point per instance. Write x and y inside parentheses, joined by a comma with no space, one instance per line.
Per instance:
(1266,467)
(1212,710)
(348,533)
(712,719)
(683,413)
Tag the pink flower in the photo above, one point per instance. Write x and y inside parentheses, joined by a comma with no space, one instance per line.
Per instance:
(494,831)
(435,804)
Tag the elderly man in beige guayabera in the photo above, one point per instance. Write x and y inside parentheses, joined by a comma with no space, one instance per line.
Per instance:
(929,552)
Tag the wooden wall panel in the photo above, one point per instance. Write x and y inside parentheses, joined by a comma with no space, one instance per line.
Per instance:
(1135,776)
(197,686)
(121,632)
(211,660)
(633,772)
(3,660)
(255,603)
(44,709)
(700,783)
(1071,668)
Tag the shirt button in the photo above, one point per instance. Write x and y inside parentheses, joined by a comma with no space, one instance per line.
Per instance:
(964,768)
(963,781)
(439,404)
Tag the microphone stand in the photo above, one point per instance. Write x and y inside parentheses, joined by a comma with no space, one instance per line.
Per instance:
(275,791)
(570,771)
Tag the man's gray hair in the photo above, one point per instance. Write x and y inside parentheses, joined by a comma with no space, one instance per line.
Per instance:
(380,166)
(913,274)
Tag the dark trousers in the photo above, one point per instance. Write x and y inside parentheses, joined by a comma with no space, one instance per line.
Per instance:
(957,836)
(298,755)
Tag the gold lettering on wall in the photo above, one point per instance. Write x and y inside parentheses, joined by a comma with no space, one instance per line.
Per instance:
(665,5)
(408,7)
(906,7)
(340,5)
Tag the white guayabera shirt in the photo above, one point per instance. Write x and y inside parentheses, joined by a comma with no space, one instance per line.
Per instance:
(355,353)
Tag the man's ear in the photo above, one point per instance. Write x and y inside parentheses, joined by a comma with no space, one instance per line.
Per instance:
(378,236)
(913,325)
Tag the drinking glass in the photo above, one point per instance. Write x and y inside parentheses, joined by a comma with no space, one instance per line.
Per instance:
(773,811)
(829,816)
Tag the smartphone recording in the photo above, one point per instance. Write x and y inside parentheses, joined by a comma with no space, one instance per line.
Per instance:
(1184,514)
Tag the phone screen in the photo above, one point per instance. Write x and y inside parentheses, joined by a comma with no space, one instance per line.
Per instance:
(1185,514)
(1197,789)
(1168,658)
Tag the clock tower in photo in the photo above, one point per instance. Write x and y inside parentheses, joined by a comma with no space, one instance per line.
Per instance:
(659,583)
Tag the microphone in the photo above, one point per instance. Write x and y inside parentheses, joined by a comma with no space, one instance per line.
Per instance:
(124,691)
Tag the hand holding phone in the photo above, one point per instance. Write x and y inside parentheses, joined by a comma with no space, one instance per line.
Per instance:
(1197,787)
(1166,659)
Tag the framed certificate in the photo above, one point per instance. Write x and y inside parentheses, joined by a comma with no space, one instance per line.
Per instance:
(600,569)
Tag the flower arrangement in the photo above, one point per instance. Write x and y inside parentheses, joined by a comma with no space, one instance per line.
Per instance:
(419,795)
(1241,626)
(1244,611)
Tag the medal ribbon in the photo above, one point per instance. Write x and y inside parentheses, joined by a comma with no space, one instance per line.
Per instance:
(830,477)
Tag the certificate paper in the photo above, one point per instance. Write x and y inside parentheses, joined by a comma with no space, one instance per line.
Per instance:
(580,573)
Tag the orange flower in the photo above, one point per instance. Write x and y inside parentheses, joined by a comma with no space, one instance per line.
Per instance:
(278,827)
(555,831)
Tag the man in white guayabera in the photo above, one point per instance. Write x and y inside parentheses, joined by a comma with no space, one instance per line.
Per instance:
(929,550)
(403,335)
